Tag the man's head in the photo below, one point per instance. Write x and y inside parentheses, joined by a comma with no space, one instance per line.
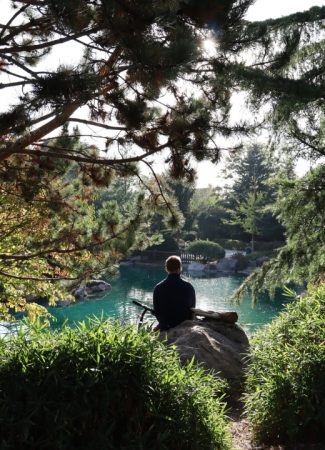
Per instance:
(173,264)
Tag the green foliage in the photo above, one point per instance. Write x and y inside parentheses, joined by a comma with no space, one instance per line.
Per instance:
(190,236)
(103,385)
(300,208)
(183,193)
(250,195)
(53,233)
(150,47)
(209,214)
(248,214)
(231,244)
(169,243)
(249,169)
(286,376)
(208,249)
(123,191)
(289,69)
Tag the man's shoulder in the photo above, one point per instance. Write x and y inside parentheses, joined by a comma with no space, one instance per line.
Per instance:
(160,284)
(187,283)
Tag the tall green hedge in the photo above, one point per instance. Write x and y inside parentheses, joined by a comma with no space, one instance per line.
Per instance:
(286,378)
(105,386)
(208,249)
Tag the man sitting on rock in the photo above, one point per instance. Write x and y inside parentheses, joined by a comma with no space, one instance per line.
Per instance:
(173,297)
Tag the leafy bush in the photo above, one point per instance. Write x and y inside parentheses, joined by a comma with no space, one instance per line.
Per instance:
(190,236)
(232,244)
(104,386)
(207,249)
(286,379)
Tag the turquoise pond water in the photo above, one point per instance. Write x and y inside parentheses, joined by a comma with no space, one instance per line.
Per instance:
(137,283)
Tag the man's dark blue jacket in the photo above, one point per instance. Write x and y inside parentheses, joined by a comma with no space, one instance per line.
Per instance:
(172,300)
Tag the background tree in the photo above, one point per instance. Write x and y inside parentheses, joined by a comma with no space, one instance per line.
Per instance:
(183,192)
(300,208)
(208,214)
(248,170)
(250,193)
(248,215)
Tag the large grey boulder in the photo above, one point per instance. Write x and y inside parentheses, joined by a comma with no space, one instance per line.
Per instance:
(227,265)
(217,345)
(92,288)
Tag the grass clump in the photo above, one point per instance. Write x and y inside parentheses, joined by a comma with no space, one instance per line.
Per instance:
(104,386)
(285,385)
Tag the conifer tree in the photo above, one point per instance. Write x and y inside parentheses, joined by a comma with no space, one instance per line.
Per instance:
(250,193)
(300,208)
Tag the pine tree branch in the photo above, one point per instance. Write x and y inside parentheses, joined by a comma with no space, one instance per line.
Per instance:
(56,122)
(51,251)
(61,154)
(5,27)
(15,83)
(29,27)
(96,124)
(160,188)
(299,138)
(13,74)
(42,118)
(22,66)
(34,136)
(47,44)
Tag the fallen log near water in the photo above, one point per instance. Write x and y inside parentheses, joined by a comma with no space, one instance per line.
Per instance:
(223,316)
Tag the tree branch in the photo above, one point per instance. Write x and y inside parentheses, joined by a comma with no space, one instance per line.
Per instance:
(19,277)
(14,83)
(47,44)
(96,124)
(40,132)
(56,122)
(22,9)
(89,160)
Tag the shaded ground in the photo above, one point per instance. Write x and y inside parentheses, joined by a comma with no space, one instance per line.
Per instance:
(243,440)
(242,436)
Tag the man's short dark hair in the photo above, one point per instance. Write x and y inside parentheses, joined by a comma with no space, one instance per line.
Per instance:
(173,264)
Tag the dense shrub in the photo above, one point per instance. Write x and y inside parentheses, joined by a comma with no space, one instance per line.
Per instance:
(104,386)
(190,236)
(207,249)
(232,244)
(286,378)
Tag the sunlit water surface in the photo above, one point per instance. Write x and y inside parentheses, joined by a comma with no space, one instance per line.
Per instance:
(137,283)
